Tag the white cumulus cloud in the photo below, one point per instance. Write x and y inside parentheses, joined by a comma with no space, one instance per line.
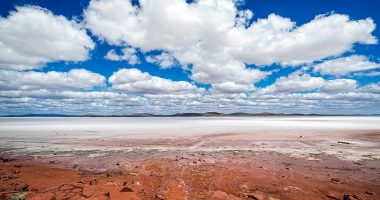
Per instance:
(128,54)
(231,87)
(135,81)
(31,36)
(345,65)
(295,83)
(340,85)
(74,79)
(164,60)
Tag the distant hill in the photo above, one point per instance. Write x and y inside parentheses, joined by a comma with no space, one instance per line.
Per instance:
(206,114)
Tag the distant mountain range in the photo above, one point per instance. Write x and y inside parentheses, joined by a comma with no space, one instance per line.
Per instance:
(206,114)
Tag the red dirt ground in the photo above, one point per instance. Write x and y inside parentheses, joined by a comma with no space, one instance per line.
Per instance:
(228,175)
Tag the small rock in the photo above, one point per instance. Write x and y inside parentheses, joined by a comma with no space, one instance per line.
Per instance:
(126,189)
(21,187)
(17,165)
(351,197)
(52,162)
(256,195)
(135,182)
(332,196)
(93,181)
(368,192)
(159,196)
(335,180)
(358,163)
(243,186)
(12,176)
(342,142)
(235,153)
(133,174)
(107,194)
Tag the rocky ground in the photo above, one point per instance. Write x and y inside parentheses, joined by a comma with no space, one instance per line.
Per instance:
(232,175)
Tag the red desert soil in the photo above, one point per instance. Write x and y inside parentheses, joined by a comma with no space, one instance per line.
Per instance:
(226,175)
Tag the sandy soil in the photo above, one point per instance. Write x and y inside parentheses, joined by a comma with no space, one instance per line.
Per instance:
(191,175)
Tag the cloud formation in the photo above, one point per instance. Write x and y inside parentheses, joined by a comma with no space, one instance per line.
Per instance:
(216,39)
(135,81)
(164,60)
(345,65)
(127,54)
(303,82)
(31,36)
(74,79)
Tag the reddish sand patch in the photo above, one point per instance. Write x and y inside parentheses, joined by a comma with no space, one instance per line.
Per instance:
(187,175)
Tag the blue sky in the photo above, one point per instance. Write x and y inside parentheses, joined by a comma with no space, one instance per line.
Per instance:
(118,57)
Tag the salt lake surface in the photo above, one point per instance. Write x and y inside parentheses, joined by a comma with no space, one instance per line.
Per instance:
(345,137)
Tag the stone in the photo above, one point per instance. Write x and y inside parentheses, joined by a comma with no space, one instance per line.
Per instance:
(93,181)
(351,197)
(342,142)
(126,189)
(159,196)
(256,195)
(21,187)
(107,194)
(12,176)
(358,163)
(335,180)
(133,174)
(332,196)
